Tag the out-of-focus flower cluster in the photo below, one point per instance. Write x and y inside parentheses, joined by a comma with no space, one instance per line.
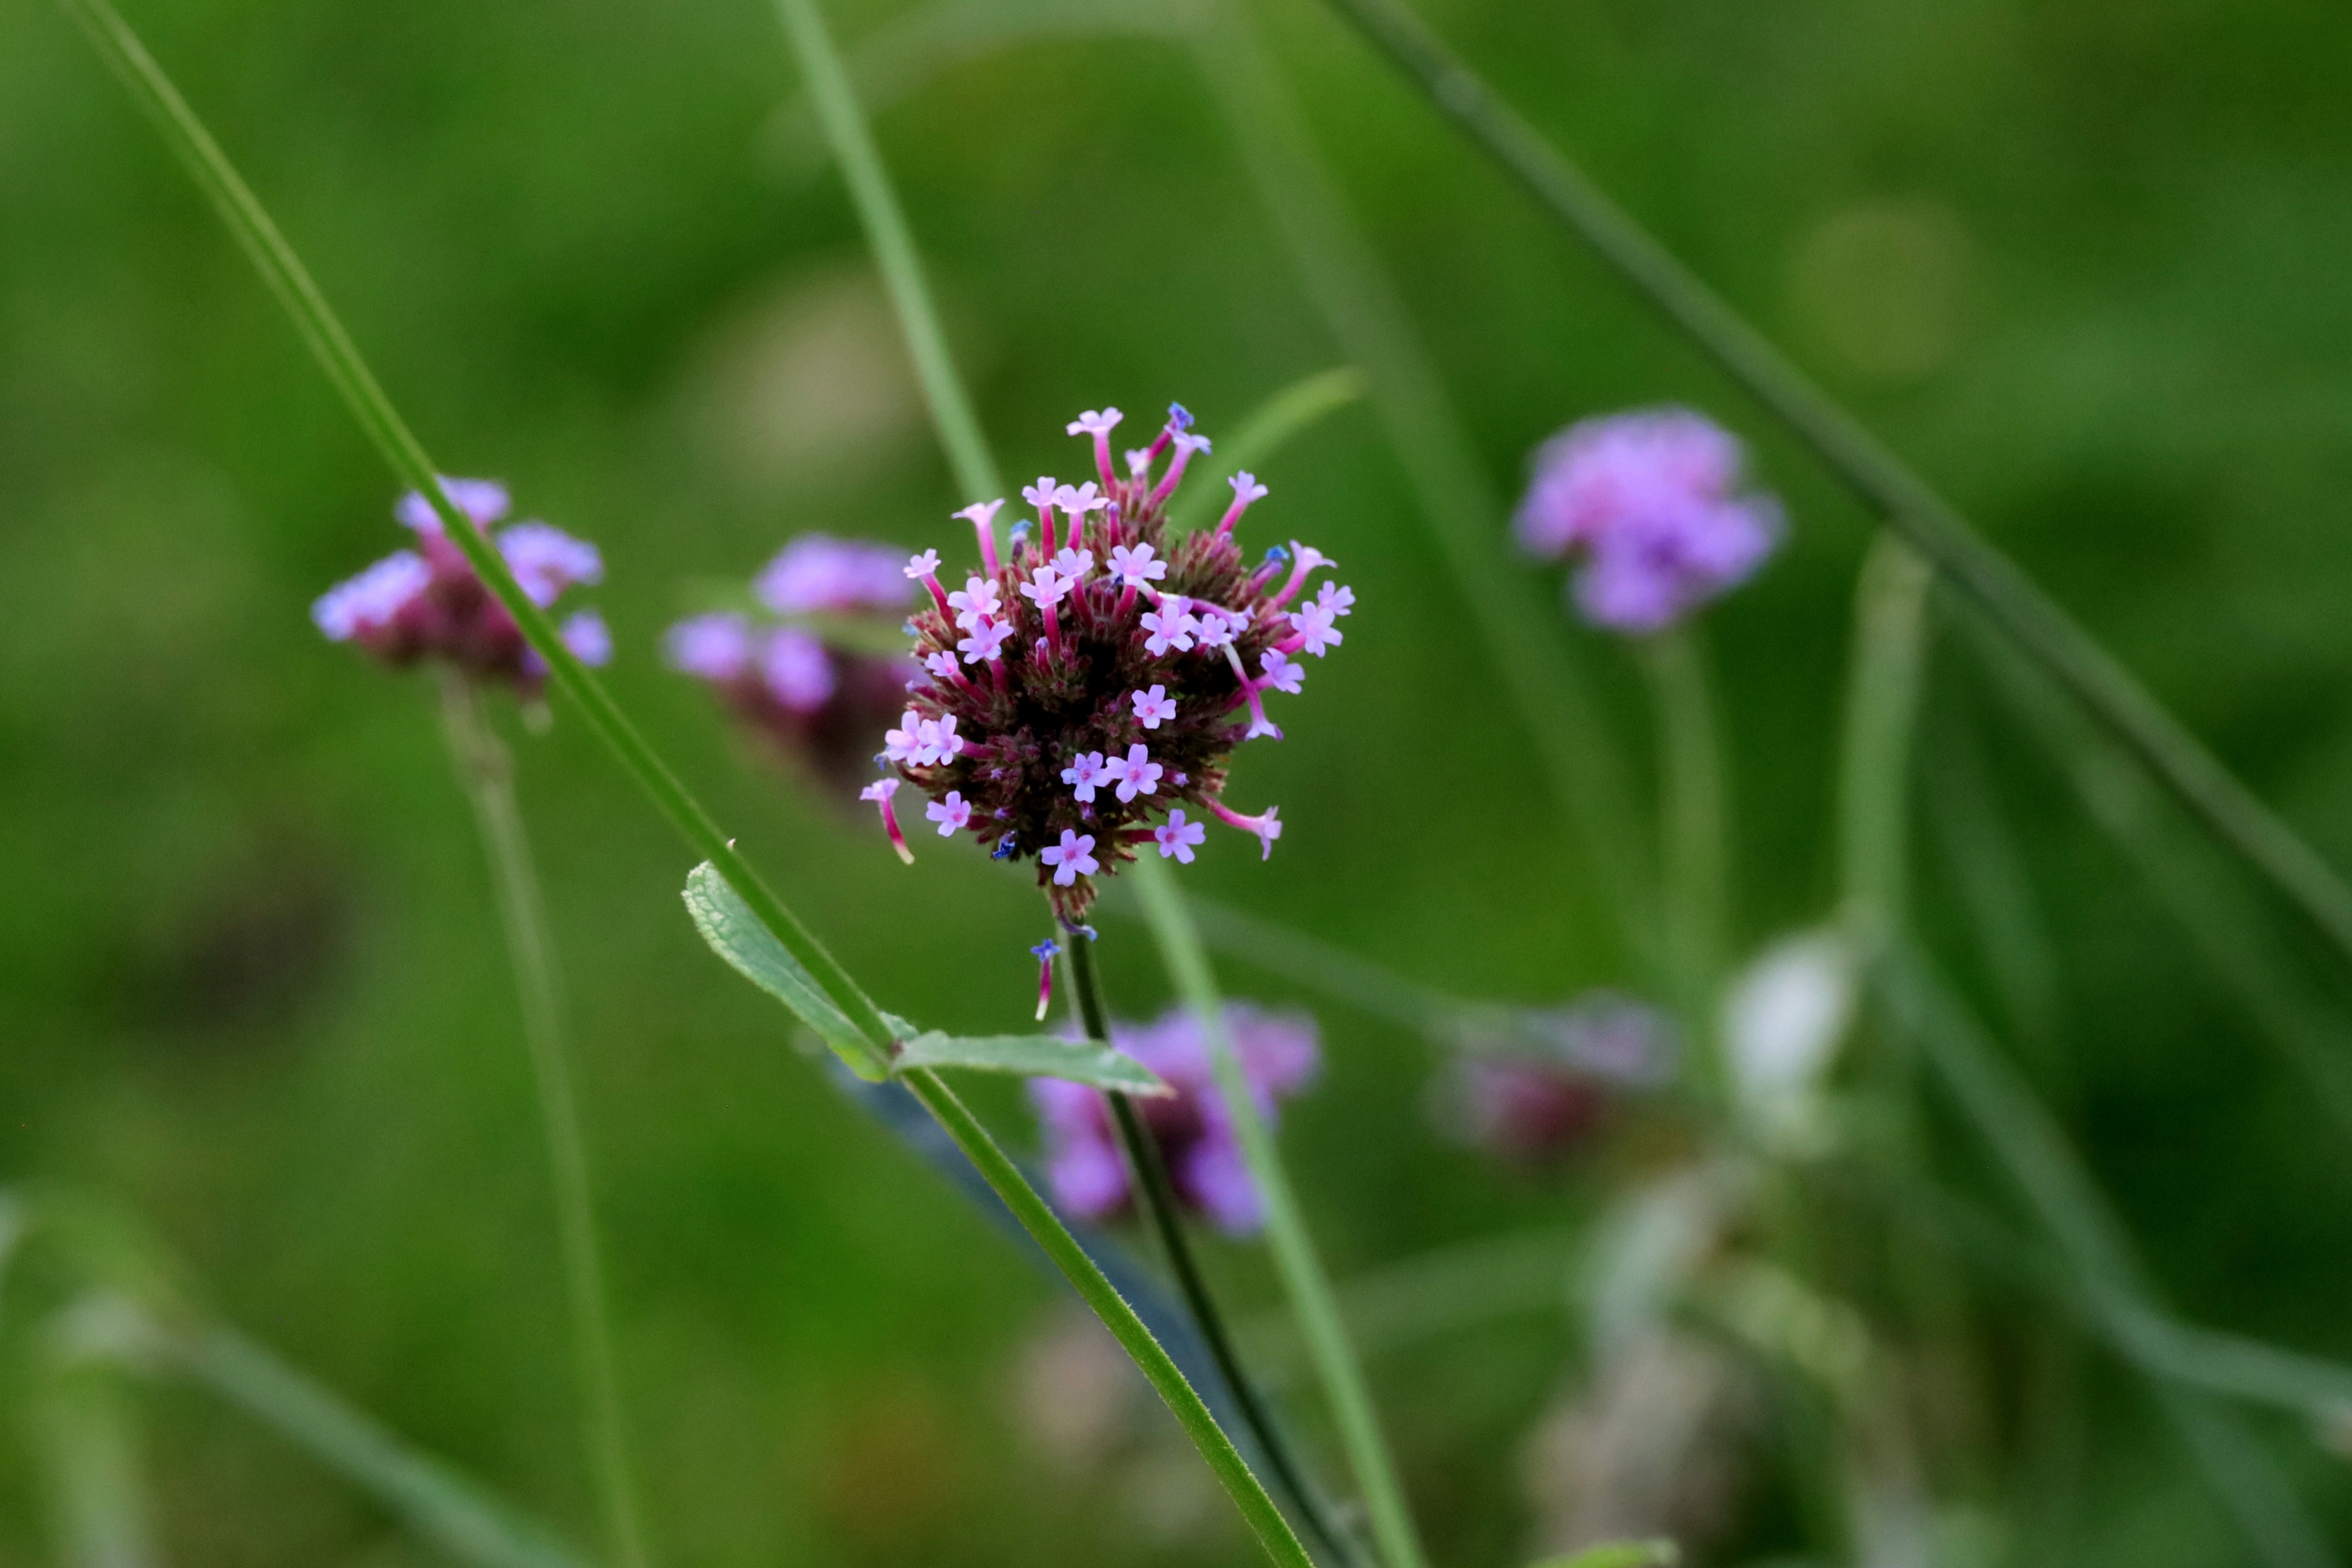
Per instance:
(1279,1055)
(1651,498)
(1535,1092)
(426,603)
(809,683)
(1097,671)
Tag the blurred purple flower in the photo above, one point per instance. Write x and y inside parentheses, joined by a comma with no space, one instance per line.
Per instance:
(1649,497)
(426,603)
(1536,1099)
(821,704)
(849,577)
(1279,1053)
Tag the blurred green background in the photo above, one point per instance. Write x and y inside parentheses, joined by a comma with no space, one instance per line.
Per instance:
(2083,263)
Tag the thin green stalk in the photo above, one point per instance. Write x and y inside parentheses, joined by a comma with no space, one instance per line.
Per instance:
(439,1505)
(1694,823)
(1303,1276)
(1881,708)
(893,246)
(1148,1169)
(82,1419)
(306,308)
(1265,431)
(1035,1217)
(487,771)
(2013,601)
(285,275)
(1346,284)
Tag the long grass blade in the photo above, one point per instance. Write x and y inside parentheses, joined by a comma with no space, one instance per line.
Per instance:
(1303,1276)
(1265,431)
(2013,601)
(82,1419)
(1694,818)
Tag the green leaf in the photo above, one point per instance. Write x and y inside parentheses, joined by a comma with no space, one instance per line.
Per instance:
(1032,1055)
(736,935)
(1619,1554)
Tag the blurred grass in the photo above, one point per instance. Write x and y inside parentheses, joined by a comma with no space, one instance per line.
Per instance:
(248,972)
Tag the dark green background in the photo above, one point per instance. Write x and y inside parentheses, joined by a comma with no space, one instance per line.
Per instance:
(251,985)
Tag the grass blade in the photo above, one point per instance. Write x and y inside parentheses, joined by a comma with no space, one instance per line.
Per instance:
(1303,1276)
(2011,599)
(1266,430)
(1032,1056)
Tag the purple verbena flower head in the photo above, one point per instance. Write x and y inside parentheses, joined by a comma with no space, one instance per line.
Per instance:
(1537,1092)
(800,685)
(426,603)
(1101,671)
(1280,1053)
(1651,498)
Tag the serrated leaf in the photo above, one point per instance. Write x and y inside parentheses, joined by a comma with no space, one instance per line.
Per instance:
(1032,1055)
(735,934)
(1619,1554)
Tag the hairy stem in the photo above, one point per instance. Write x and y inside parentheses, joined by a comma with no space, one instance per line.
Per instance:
(487,771)
(2009,599)
(1157,1197)
(1303,1276)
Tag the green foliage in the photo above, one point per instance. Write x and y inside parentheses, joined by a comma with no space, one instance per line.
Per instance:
(1619,1554)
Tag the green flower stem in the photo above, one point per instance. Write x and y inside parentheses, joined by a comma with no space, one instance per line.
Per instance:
(2011,600)
(893,245)
(1303,1276)
(1258,1509)
(1148,1169)
(308,308)
(1882,705)
(1346,284)
(488,771)
(1694,821)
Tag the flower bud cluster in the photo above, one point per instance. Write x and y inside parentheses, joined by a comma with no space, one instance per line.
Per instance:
(426,603)
(1095,674)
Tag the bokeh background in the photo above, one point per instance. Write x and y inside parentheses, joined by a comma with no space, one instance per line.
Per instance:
(2082,263)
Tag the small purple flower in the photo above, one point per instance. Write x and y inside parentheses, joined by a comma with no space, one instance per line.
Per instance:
(1152,708)
(798,670)
(1134,566)
(589,638)
(1086,771)
(1170,625)
(1279,1055)
(816,572)
(546,561)
(986,641)
(1282,673)
(1179,837)
(1134,774)
(978,600)
(710,647)
(1313,623)
(370,601)
(485,501)
(1072,858)
(1650,498)
(879,793)
(952,813)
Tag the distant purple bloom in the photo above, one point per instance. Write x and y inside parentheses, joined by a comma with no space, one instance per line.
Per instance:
(426,603)
(1536,1099)
(1650,498)
(798,670)
(1279,1055)
(710,647)
(846,576)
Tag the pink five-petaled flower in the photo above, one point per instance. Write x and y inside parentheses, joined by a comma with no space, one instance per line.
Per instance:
(981,515)
(951,814)
(978,600)
(1217,627)
(1152,708)
(1095,423)
(1282,673)
(1072,858)
(1337,597)
(1135,774)
(919,567)
(1134,567)
(1313,623)
(1074,565)
(879,793)
(903,743)
(1178,837)
(1084,771)
(1169,626)
(1047,588)
(1267,826)
(937,743)
(986,641)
